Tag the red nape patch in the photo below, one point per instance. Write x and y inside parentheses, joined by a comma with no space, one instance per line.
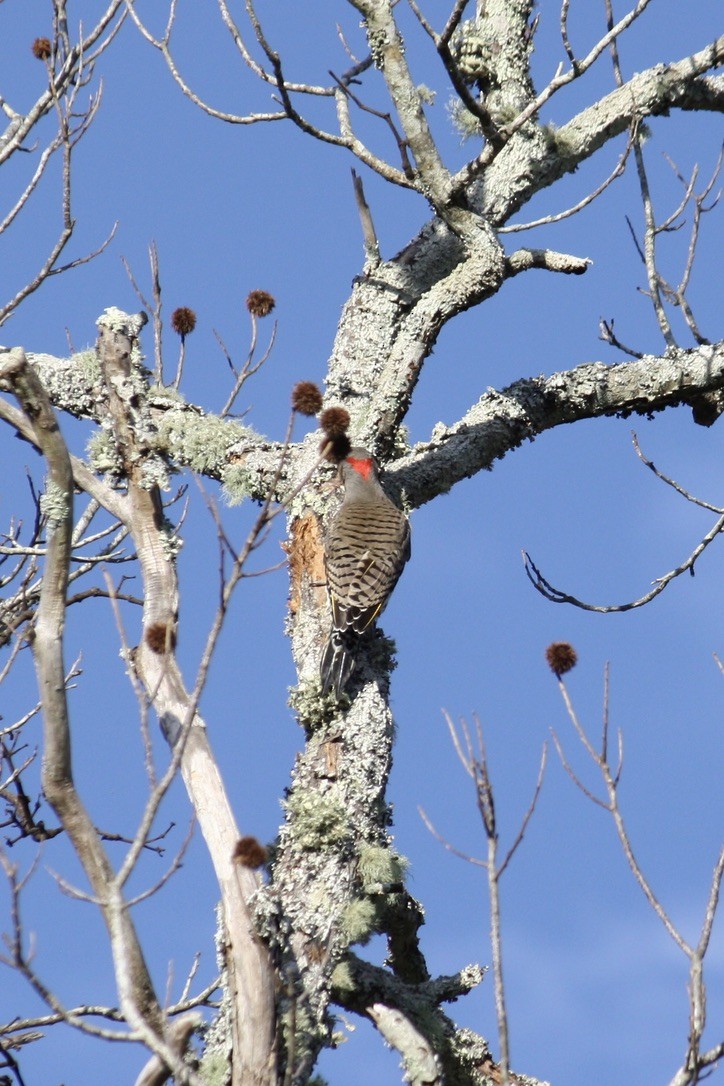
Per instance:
(364,467)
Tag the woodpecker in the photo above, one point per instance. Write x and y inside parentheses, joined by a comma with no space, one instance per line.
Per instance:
(366,548)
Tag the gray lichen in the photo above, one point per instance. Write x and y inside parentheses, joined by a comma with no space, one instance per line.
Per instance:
(379,867)
(103,454)
(116,320)
(360,920)
(162,395)
(426,94)
(401,444)
(75,384)
(472,975)
(318,821)
(154,473)
(87,367)
(469,1048)
(203,443)
(240,483)
(382,651)
(215,1069)
(465,123)
(171,541)
(476,50)
(308,500)
(343,979)
(313,709)
(54,504)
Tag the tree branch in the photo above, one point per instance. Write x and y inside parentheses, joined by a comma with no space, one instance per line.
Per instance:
(138,1001)
(249,971)
(501,421)
(655,91)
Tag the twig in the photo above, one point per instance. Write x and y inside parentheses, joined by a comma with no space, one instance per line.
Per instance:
(154,307)
(546,220)
(556,595)
(606,333)
(371,244)
(402,145)
(565,4)
(142,700)
(695,1061)
(250,367)
(672,482)
(447,844)
(612,805)
(474,761)
(173,867)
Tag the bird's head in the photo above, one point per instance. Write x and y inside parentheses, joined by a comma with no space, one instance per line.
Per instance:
(361,462)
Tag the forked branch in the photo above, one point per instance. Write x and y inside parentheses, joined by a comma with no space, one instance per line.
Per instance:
(138,1001)
(474,760)
(557,595)
(695,1062)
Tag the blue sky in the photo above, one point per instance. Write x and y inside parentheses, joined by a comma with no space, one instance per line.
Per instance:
(597,991)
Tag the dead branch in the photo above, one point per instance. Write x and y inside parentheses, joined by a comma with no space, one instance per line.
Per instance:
(371,244)
(154,307)
(418,1056)
(695,1061)
(556,595)
(69,133)
(473,758)
(547,220)
(248,966)
(138,1000)
(179,1035)
(250,366)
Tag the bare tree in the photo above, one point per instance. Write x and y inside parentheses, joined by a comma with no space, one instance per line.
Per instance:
(287,941)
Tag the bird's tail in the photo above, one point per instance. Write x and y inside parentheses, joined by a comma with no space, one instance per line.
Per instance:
(337,663)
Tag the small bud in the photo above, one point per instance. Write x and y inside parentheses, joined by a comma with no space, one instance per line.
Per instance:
(161,637)
(42,49)
(260,303)
(248,852)
(183,321)
(334,421)
(306,398)
(561,657)
(335,448)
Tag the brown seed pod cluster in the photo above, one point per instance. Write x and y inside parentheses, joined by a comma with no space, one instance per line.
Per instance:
(334,421)
(335,443)
(42,49)
(161,637)
(306,398)
(248,852)
(561,657)
(183,321)
(260,303)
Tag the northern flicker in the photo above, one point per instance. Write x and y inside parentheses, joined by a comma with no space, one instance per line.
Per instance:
(366,548)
